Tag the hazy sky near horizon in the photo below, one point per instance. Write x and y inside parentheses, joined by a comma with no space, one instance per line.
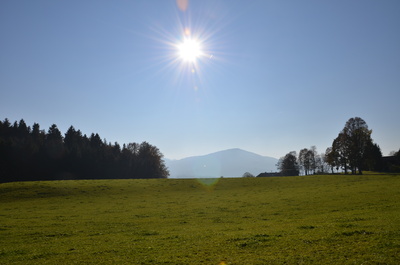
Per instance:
(273,76)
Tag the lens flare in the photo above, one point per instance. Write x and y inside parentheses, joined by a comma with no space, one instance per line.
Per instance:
(187,51)
(182,4)
(187,32)
(208,182)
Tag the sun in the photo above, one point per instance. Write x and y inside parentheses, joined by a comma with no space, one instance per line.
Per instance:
(189,50)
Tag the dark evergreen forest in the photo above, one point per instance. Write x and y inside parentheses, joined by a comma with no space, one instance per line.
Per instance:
(29,153)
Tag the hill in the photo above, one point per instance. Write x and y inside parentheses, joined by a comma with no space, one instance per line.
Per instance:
(227,163)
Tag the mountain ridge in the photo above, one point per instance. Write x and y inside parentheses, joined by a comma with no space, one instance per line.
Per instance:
(232,162)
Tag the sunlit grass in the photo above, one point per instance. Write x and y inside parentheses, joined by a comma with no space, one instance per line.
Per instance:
(295,220)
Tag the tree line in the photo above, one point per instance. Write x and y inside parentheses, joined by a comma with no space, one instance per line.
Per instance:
(29,153)
(353,150)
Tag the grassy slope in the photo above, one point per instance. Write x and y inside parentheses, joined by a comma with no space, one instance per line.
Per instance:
(296,220)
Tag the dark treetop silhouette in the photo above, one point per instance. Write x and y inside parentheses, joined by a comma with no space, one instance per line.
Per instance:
(32,154)
(353,149)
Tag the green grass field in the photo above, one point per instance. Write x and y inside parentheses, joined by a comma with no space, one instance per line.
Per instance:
(289,220)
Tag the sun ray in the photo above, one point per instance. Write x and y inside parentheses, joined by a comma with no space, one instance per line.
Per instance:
(188,51)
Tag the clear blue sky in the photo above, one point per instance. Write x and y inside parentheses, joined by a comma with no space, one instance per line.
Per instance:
(275,76)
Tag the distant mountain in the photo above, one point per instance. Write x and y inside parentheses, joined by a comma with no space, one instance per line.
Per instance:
(227,163)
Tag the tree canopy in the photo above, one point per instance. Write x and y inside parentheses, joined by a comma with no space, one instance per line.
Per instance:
(353,148)
(288,165)
(32,154)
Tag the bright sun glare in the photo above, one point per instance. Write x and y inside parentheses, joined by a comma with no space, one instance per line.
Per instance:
(189,50)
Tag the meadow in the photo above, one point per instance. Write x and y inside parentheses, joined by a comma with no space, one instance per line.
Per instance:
(333,219)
